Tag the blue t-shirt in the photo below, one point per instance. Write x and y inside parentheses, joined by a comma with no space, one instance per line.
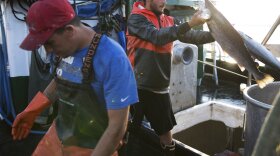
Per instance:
(114,82)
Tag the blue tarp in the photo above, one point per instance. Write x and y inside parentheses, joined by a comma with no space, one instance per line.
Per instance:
(90,9)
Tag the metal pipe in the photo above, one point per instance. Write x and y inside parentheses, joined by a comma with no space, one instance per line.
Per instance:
(223,69)
(272,29)
(249,80)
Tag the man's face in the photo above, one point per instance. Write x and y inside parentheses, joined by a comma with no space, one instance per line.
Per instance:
(157,6)
(59,44)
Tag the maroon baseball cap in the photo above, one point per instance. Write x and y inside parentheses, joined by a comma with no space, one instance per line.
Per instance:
(43,18)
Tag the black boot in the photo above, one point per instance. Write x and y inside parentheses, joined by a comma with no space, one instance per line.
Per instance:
(168,150)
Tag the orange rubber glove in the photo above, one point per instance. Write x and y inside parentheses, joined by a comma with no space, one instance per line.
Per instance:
(25,120)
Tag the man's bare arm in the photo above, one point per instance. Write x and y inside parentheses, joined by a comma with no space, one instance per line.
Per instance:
(114,132)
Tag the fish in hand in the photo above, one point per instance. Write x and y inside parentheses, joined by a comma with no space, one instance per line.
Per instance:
(232,43)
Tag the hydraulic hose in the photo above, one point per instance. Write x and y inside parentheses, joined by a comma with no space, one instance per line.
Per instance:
(6,102)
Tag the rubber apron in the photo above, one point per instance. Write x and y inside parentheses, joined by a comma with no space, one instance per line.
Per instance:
(81,119)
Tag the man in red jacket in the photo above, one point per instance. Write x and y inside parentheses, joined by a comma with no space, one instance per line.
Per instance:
(150,38)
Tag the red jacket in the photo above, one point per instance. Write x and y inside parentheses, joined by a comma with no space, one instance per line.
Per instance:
(149,45)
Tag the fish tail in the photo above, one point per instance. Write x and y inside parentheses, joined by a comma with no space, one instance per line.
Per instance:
(242,68)
(266,80)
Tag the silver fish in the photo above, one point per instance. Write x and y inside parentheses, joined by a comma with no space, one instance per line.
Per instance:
(260,52)
(232,43)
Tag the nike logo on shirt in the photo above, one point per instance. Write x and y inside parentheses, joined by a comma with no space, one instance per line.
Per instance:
(124,99)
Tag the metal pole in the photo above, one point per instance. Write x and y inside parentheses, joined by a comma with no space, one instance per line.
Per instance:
(249,80)
(272,29)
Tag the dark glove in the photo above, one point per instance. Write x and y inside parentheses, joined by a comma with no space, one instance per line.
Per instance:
(25,120)
(196,37)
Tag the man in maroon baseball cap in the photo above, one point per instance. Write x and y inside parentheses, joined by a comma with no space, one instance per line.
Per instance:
(43,18)
(93,88)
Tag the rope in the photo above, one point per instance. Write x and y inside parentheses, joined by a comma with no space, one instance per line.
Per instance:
(240,75)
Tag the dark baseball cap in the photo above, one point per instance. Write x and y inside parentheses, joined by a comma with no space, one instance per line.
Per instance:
(43,18)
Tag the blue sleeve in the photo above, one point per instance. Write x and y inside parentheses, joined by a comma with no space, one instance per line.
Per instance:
(120,86)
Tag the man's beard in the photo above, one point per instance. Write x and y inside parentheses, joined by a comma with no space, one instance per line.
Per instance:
(157,12)
(154,10)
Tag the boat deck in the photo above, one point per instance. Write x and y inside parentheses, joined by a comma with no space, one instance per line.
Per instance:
(220,111)
(226,92)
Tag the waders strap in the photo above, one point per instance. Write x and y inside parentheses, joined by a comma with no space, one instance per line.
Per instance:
(87,68)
